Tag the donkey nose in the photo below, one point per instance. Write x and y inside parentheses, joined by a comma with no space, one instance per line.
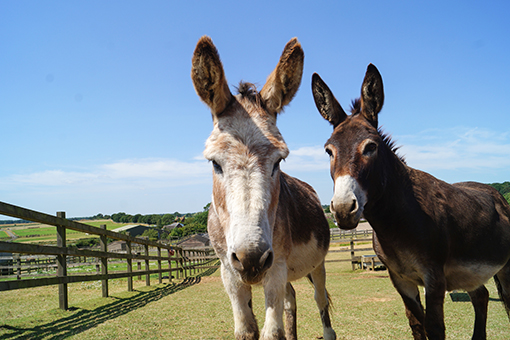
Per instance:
(251,264)
(346,213)
(348,208)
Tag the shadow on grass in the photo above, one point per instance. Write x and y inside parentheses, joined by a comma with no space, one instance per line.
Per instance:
(82,319)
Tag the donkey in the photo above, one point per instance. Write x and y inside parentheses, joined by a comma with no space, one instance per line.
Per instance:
(266,227)
(427,232)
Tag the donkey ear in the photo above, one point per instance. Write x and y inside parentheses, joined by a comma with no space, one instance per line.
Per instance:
(326,102)
(283,83)
(208,76)
(372,95)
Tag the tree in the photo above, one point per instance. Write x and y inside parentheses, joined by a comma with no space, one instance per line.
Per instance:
(151,233)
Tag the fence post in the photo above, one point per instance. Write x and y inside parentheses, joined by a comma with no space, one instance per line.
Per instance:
(17,257)
(63,300)
(160,277)
(139,266)
(169,265)
(147,276)
(129,266)
(352,253)
(104,262)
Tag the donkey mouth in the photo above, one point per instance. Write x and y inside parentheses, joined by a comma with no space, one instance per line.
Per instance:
(346,223)
(252,267)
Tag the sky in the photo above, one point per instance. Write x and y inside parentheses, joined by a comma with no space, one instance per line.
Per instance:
(99,114)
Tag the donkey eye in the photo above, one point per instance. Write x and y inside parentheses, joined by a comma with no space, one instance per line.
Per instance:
(369,149)
(217,168)
(276,166)
(329,152)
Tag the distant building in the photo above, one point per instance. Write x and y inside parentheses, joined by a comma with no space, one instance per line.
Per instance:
(172,226)
(196,241)
(133,229)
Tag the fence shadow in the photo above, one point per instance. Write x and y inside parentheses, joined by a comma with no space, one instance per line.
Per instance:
(82,320)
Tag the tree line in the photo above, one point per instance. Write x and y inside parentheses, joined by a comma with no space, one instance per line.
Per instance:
(503,188)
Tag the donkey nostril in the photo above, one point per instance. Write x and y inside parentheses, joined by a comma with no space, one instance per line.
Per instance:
(266,260)
(353,206)
(236,262)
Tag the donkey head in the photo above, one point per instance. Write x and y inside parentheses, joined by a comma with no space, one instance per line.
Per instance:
(354,146)
(245,149)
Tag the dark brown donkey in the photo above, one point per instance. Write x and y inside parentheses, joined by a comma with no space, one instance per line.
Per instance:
(267,227)
(427,232)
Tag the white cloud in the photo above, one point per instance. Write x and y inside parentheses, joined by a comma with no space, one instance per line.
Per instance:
(167,172)
(457,148)
(308,158)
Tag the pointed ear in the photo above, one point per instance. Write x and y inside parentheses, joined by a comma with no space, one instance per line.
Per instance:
(208,76)
(283,83)
(326,102)
(372,95)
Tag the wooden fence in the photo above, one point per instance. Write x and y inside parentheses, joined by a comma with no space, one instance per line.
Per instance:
(185,262)
(366,261)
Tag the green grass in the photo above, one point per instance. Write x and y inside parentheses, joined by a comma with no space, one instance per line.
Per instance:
(27,232)
(366,306)
(3,234)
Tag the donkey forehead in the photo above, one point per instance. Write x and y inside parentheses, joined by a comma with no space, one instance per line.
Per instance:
(248,129)
(352,131)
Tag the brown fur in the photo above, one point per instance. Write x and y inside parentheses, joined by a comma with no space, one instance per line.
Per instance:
(427,232)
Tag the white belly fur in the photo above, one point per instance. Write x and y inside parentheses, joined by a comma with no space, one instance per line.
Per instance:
(469,276)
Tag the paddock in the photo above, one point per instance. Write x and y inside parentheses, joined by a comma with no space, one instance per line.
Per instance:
(365,306)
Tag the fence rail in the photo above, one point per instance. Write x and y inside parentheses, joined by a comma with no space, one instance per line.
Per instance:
(182,262)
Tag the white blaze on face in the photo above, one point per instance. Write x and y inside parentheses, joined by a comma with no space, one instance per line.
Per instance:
(246,150)
(247,198)
(349,198)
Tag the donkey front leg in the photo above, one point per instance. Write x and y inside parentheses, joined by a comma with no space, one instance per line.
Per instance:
(318,278)
(435,289)
(414,309)
(240,296)
(480,300)
(290,313)
(275,290)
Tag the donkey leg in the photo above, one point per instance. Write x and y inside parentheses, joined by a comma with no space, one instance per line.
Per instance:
(318,278)
(414,309)
(435,290)
(480,300)
(275,286)
(502,279)
(290,313)
(240,296)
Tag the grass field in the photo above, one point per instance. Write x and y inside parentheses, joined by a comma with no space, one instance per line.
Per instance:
(366,306)
(35,233)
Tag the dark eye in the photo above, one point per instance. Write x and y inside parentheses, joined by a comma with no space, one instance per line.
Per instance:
(329,152)
(369,149)
(217,168)
(276,166)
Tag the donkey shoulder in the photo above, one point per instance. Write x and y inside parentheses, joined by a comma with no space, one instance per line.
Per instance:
(300,205)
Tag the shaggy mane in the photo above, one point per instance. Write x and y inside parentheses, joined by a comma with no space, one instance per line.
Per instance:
(391,144)
(249,91)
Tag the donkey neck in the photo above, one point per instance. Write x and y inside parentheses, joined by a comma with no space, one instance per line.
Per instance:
(392,199)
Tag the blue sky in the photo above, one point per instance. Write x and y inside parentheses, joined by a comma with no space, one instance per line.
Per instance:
(99,114)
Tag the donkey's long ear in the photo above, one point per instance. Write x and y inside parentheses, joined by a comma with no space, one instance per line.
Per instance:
(372,95)
(326,102)
(283,83)
(208,76)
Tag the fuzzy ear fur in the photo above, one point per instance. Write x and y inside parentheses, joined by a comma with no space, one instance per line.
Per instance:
(372,95)
(326,102)
(209,78)
(283,83)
